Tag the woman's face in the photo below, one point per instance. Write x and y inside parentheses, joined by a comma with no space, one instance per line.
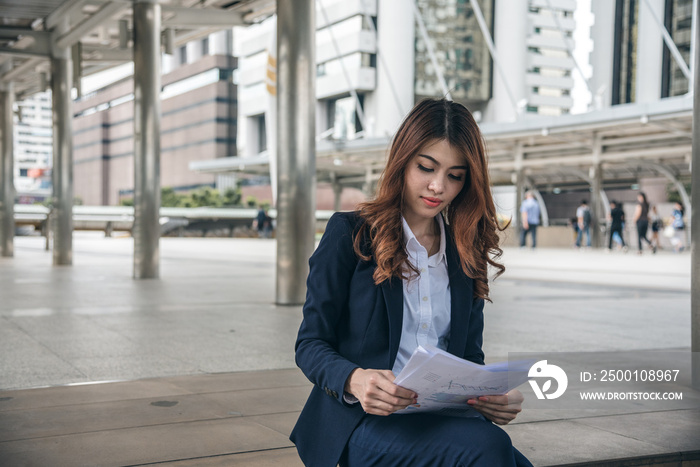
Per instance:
(434,177)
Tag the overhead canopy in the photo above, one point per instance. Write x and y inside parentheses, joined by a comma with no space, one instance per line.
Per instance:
(102,30)
(637,141)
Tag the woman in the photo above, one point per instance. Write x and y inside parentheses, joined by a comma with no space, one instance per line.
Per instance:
(408,268)
(641,219)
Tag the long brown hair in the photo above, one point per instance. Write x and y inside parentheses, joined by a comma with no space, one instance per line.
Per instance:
(471,215)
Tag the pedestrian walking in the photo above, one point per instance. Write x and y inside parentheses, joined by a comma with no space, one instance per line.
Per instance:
(641,220)
(530,213)
(264,223)
(583,216)
(424,246)
(617,221)
(678,240)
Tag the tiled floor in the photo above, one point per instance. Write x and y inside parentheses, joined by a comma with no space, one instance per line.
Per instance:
(181,350)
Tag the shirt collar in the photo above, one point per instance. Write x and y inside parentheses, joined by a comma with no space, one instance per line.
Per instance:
(413,246)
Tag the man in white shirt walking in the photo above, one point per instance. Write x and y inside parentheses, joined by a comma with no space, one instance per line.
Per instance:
(530,213)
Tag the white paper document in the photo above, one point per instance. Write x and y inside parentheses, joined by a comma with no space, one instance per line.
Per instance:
(444,383)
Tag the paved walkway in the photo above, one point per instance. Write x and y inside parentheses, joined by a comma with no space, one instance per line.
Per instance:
(204,368)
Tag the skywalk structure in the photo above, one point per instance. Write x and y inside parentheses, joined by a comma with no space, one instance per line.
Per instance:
(339,98)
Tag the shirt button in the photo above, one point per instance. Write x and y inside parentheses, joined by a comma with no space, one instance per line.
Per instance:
(424,326)
(422,270)
(425,299)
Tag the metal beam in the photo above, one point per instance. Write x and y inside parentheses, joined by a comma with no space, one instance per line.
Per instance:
(62,215)
(596,174)
(199,17)
(585,159)
(88,24)
(67,9)
(37,42)
(7,191)
(695,217)
(296,148)
(19,70)
(518,179)
(103,54)
(147,115)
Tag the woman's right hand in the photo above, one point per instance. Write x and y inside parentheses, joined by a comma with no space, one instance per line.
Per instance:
(377,393)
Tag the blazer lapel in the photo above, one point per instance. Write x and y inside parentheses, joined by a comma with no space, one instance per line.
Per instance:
(393,298)
(461,301)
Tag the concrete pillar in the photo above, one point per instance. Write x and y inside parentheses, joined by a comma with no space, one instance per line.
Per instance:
(146,139)
(596,176)
(596,207)
(369,185)
(296,147)
(519,182)
(7,182)
(695,219)
(337,195)
(62,203)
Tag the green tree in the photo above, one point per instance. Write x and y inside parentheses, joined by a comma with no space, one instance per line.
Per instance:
(232,197)
(672,193)
(168,198)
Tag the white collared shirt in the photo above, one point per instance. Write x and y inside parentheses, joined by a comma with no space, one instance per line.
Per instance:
(426,298)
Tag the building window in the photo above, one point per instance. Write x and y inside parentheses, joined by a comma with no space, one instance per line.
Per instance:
(369,60)
(205,46)
(183,55)
(262,133)
(343,114)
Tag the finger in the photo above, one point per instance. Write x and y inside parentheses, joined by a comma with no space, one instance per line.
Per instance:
(496,415)
(512,409)
(381,395)
(396,389)
(389,387)
(497,400)
(380,405)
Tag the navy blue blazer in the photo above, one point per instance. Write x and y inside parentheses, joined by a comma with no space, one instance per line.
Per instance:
(350,322)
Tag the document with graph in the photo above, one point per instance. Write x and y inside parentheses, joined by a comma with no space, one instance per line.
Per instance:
(444,383)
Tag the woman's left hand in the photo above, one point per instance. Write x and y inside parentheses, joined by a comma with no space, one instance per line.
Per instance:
(499,409)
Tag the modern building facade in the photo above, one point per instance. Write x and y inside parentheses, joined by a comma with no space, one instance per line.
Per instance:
(376,59)
(33,148)
(199,106)
(639,67)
